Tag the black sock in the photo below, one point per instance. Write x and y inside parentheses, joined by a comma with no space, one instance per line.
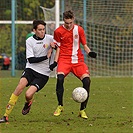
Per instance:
(86,85)
(60,88)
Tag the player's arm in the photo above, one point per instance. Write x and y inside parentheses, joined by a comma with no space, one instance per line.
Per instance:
(37,59)
(89,52)
(53,45)
(52,66)
(30,54)
(83,41)
(86,48)
(57,54)
(57,47)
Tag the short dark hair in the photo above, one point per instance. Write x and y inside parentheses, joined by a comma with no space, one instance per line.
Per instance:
(37,22)
(68,14)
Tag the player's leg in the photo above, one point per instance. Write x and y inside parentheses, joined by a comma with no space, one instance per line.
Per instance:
(13,99)
(28,96)
(84,77)
(36,85)
(63,69)
(60,88)
(86,84)
(59,93)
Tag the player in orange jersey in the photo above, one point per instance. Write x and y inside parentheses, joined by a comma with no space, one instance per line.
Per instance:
(69,58)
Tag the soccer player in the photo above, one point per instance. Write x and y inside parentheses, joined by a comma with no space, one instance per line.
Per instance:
(69,58)
(36,73)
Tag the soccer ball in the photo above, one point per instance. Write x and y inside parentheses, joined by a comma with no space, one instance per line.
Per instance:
(79,94)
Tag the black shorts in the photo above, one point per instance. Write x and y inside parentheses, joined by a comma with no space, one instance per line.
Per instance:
(35,78)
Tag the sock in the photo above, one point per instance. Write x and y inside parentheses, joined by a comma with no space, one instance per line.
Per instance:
(86,84)
(29,101)
(60,89)
(10,105)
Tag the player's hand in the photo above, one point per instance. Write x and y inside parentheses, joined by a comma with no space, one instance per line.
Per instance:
(53,45)
(52,66)
(92,54)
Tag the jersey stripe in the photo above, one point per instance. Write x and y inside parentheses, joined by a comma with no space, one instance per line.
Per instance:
(75,45)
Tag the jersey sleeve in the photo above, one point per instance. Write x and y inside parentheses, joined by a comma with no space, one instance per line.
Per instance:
(82,36)
(56,38)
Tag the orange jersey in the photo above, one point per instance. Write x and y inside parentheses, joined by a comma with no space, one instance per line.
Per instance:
(69,43)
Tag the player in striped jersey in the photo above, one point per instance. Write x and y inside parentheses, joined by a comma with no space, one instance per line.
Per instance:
(69,58)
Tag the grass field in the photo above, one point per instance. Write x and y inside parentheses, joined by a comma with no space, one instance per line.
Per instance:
(109,108)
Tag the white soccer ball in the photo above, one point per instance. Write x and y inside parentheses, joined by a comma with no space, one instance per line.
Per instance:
(79,94)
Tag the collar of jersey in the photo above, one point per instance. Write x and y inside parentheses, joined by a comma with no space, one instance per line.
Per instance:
(37,38)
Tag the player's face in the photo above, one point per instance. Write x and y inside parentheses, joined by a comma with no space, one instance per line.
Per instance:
(40,31)
(68,23)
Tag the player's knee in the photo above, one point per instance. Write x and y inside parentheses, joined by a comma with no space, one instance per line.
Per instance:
(60,81)
(28,95)
(86,80)
(86,83)
(60,78)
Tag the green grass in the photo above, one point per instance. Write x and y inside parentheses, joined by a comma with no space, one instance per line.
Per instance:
(109,108)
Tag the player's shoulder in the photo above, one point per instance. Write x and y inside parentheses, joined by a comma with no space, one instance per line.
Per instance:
(60,28)
(48,35)
(79,26)
(29,39)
